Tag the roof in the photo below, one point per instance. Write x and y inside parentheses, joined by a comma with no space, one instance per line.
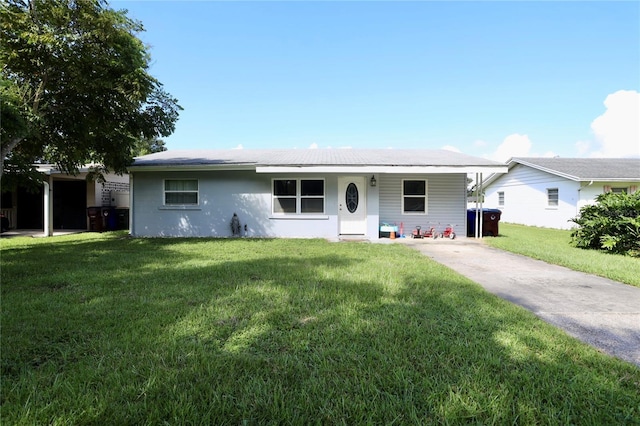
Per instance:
(581,169)
(376,160)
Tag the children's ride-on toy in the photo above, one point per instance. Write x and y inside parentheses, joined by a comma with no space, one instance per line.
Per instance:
(448,232)
(431,233)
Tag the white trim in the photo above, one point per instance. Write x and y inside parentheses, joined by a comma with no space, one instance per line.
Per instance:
(305,216)
(165,191)
(381,169)
(298,197)
(189,168)
(426,197)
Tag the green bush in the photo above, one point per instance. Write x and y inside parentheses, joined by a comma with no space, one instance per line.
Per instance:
(612,224)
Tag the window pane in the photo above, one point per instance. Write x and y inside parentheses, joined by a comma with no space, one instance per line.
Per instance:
(414,187)
(311,187)
(501,198)
(284,187)
(181,185)
(552,196)
(181,198)
(312,205)
(284,205)
(414,204)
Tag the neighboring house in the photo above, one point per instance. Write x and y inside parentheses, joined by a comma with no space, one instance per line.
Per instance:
(548,192)
(326,193)
(63,200)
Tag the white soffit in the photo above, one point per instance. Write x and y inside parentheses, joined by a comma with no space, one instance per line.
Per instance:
(382,169)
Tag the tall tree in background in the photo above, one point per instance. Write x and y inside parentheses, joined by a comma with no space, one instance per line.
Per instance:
(75,87)
(148,146)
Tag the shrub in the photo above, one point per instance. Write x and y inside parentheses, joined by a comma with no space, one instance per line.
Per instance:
(612,224)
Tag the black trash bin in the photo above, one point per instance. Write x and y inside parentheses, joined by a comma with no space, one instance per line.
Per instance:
(96,222)
(490,219)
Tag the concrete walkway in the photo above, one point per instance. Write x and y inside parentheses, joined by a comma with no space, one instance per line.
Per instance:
(598,311)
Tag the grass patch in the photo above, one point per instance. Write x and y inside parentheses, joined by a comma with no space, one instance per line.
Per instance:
(105,329)
(553,246)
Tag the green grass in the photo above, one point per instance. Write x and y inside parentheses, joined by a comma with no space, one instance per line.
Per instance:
(553,246)
(105,329)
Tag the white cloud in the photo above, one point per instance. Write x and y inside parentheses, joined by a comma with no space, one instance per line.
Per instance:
(514,145)
(313,146)
(617,130)
(479,143)
(239,147)
(450,148)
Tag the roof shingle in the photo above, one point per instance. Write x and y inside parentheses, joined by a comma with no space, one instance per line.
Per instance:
(583,169)
(314,157)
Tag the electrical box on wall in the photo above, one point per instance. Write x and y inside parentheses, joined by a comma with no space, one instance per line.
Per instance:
(119,199)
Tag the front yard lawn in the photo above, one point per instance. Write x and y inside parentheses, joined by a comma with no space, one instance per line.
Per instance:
(553,246)
(105,329)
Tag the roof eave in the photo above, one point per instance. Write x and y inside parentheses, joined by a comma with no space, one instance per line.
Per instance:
(189,167)
(382,169)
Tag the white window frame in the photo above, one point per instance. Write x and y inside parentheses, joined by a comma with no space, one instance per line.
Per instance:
(165,192)
(299,197)
(425,196)
(550,203)
(501,198)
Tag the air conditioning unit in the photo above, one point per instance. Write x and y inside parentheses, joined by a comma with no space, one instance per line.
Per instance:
(119,199)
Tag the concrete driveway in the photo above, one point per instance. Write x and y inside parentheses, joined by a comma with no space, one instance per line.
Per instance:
(598,311)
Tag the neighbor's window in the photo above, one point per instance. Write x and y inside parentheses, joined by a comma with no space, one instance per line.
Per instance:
(298,196)
(414,196)
(552,197)
(501,198)
(620,190)
(180,192)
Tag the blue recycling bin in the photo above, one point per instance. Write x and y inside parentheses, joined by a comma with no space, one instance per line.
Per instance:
(490,222)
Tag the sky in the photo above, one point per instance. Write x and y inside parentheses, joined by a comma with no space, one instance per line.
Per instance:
(490,79)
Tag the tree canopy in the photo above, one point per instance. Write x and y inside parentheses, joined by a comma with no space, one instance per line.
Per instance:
(75,87)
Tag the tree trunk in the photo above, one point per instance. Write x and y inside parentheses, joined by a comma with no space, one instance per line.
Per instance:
(6,150)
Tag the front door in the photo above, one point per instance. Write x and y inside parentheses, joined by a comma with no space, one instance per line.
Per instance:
(352,214)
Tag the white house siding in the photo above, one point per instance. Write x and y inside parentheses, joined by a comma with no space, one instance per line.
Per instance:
(446,202)
(222,193)
(590,190)
(525,198)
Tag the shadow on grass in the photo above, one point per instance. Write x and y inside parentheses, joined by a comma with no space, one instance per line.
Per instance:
(257,331)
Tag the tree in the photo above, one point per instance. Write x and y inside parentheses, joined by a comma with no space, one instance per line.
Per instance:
(148,146)
(75,87)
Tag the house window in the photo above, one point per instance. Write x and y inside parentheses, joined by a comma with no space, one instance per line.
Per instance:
(414,196)
(552,197)
(298,196)
(501,198)
(619,190)
(180,192)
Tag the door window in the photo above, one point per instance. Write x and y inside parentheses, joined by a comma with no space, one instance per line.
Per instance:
(351,197)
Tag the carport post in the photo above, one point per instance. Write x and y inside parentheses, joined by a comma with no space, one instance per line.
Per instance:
(480,215)
(477,220)
(48,207)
